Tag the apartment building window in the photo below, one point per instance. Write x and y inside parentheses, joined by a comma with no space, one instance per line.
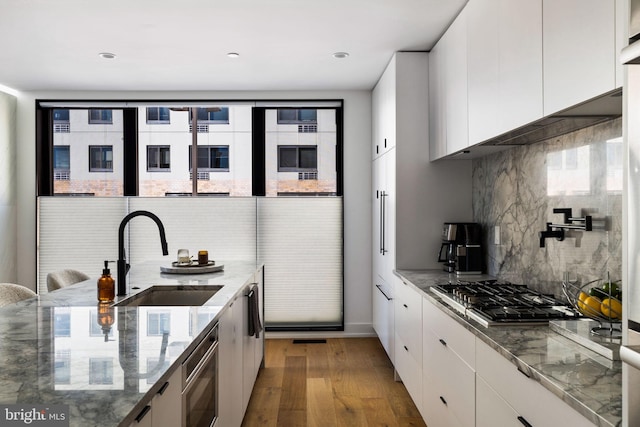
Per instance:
(158,323)
(212,157)
(294,116)
(158,158)
(101,370)
(158,115)
(61,162)
(61,121)
(98,117)
(100,158)
(297,158)
(213,115)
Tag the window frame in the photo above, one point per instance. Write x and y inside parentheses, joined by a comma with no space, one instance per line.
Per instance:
(298,120)
(159,167)
(209,168)
(159,121)
(104,119)
(297,168)
(100,169)
(57,168)
(209,120)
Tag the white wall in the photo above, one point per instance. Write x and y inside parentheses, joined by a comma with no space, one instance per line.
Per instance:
(8,270)
(357,184)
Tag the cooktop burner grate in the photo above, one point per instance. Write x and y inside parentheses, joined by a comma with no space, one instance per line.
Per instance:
(491,302)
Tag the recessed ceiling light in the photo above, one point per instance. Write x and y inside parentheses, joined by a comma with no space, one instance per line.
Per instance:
(341,55)
(233,54)
(107,55)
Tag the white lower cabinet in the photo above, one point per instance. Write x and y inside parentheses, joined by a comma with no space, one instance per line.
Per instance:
(230,366)
(383,318)
(449,376)
(533,403)
(167,403)
(408,338)
(165,409)
(492,410)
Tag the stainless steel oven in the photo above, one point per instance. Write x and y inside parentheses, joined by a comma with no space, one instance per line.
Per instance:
(200,383)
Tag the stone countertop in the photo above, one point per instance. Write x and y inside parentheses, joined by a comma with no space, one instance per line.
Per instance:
(588,382)
(54,352)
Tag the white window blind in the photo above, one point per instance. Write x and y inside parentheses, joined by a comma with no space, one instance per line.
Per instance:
(300,243)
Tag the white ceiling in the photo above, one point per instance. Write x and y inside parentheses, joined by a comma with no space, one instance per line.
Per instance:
(182,45)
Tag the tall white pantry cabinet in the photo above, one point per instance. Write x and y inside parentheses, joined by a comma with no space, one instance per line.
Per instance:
(412,197)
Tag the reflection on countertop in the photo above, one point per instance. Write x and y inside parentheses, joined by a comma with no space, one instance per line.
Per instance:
(64,348)
(585,380)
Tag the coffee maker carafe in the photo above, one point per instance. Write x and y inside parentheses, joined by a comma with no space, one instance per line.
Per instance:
(461,249)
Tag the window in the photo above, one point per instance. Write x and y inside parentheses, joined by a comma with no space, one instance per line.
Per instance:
(297,116)
(61,158)
(158,158)
(158,115)
(158,323)
(212,157)
(213,115)
(101,370)
(100,117)
(100,158)
(62,367)
(297,158)
(62,323)
(61,116)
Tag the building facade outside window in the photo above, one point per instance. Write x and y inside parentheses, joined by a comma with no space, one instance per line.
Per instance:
(297,116)
(158,115)
(158,323)
(297,159)
(100,117)
(212,158)
(158,158)
(215,115)
(100,158)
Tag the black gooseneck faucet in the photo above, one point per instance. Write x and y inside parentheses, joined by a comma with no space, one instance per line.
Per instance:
(123,267)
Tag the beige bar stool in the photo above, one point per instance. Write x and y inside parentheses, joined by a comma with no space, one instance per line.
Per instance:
(62,278)
(11,293)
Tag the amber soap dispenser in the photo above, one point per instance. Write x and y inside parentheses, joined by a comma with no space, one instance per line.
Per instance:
(106,285)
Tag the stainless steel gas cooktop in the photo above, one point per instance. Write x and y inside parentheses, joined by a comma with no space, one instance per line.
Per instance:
(490,302)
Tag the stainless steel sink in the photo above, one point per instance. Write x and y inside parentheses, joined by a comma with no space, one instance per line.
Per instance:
(171,296)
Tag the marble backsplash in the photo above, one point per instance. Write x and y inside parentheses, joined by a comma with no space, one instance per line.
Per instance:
(515,192)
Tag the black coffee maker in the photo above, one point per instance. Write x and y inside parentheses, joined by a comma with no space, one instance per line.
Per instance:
(461,249)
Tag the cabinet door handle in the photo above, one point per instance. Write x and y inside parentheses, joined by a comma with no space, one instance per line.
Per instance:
(385,143)
(443,342)
(385,295)
(405,347)
(405,305)
(443,400)
(163,388)
(524,422)
(383,217)
(523,372)
(142,413)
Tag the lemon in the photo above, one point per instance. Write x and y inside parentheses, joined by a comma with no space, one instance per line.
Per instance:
(611,308)
(590,306)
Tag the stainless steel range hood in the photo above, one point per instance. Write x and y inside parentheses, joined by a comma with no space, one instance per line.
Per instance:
(597,110)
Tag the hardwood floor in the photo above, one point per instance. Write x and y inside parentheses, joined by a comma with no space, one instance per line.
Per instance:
(343,382)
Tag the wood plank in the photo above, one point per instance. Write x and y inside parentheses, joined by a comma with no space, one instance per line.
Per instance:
(379,413)
(349,411)
(320,407)
(263,407)
(294,384)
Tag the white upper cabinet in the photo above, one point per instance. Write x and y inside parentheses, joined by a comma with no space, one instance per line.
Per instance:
(579,51)
(454,61)
(504,51)
(437,136)
(384,108)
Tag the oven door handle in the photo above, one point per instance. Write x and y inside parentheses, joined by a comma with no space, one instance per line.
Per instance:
(211,352)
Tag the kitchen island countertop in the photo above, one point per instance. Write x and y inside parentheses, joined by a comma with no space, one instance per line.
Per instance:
(586,381)
(53,351)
